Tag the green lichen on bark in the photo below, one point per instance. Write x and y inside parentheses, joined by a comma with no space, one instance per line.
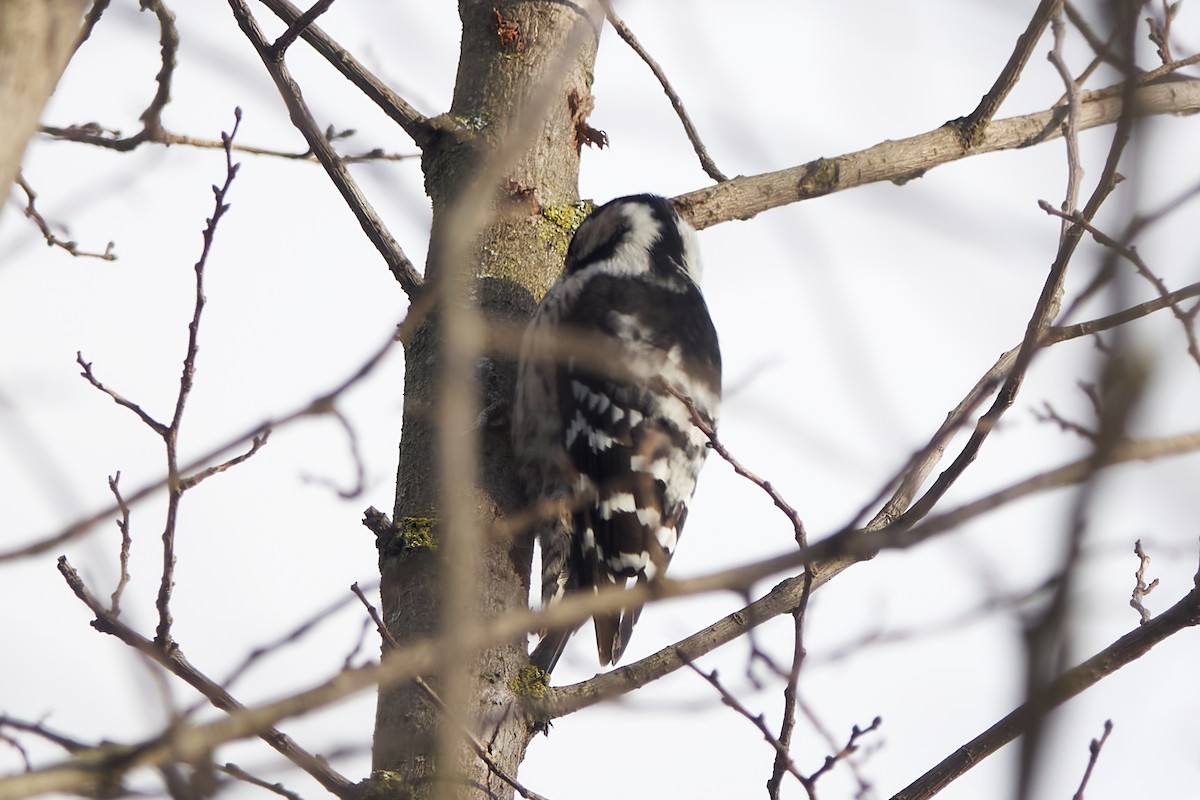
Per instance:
(563,219)
(820,177)
(409,534)
(384,784)
(530,682)
(418,533)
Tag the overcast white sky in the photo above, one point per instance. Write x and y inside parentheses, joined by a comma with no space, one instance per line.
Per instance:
(850,326)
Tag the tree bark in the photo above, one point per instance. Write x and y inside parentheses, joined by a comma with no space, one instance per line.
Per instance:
(512,54)
(37,38)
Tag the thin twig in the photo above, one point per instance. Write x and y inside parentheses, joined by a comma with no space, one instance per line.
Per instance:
(190,742)
(417,314)
(829,556)
(481,750)
(234,771)
(89,23)
(903,159)
(298,27)
(757,720)
(117,397)
(151,117)
(212,144)
(1141,589)
(370,221)
(216,469)
(175,486)
(315,405)
(1125,650)
(122,525)
(791,689)
(706,162)
(1101,48)
(1130,254)
(1094,749)
(715,444)
(405,115)
(71,247)
(1047,307)
(973,125)
(39,729)
(1071,127)
(360,467)
(847,750)
(296,634)
(174,661)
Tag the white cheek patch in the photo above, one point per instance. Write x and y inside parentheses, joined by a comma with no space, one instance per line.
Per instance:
(589,539)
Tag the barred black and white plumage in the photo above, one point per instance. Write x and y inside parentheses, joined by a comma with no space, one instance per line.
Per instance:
(597,427)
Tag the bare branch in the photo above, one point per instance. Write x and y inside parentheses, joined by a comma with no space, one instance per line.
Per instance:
(849,749)
(408,118)
(175,487)
(117,397)
(827,558)
(706,162)
(1129,648)
(71,247)
(1071,132)
(191,742)
(1101,48)
(298,27)
(372,224)
(790,690)
(255,445)
(1047,308)
(294,635)
(172,659)
(757,720)
(360,468)
(972,128)
(715,444)
(1093,756)
(904,159)
(1130,253)
(123,525)
(39,729)
(308,408)
(151,118)
(1141,589)
(481,750)
(169,138)
(234,771)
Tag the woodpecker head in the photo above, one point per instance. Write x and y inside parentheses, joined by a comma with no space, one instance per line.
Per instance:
(636,235)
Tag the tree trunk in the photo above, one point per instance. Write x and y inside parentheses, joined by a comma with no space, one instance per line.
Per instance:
(509,50)
(37,38)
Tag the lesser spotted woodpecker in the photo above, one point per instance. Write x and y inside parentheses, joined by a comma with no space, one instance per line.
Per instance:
(599,429)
